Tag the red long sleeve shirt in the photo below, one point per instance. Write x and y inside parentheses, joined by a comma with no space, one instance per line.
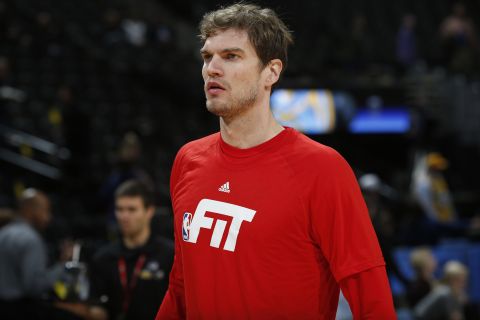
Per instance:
(270,232)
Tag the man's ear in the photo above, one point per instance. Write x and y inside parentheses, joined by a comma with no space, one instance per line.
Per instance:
(274,68)
(151,211)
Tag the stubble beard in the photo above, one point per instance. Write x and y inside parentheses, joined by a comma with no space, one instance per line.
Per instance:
(234,107)
(132,232)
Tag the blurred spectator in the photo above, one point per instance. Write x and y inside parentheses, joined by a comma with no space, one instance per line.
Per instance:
(374,193)
(459,39)
(127,167)
(431,189)
(135,31)
(24,275)
(163,33)
(130,277)
(70,126)
(424,265)
(47,35)
(113,32)
(446,301)
(406,42)
(357,48)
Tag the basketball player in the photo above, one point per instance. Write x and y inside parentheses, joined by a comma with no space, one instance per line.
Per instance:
(268,223)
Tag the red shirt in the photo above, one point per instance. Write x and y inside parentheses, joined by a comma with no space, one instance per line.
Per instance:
(266,232)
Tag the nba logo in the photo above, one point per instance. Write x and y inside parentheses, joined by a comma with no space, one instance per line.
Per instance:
(187,219)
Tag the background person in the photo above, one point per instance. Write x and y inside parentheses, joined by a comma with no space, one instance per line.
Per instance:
(446,301)
(130,277)
(24,273)
(424,265)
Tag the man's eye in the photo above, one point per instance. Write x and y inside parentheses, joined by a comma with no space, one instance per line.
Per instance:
(207,57)
(231,56)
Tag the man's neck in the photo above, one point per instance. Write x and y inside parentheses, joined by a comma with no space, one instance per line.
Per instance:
(137,240)
(251,128)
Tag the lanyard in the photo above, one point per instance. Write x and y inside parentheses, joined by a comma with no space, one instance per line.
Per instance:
(128,287)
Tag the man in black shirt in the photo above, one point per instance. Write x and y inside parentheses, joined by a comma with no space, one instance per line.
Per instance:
(130,277)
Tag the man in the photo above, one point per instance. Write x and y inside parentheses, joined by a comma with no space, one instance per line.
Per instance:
(424,265)
(130,277)
(268,223)
(24,276)
(446,301)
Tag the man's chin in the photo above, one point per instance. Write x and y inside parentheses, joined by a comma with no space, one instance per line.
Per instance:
(129,235)
(216,109)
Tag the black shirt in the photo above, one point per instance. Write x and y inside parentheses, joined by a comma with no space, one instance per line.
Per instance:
(151,283)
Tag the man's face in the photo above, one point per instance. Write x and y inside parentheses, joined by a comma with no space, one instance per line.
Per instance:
(132,215)
(40,212)
(231,73)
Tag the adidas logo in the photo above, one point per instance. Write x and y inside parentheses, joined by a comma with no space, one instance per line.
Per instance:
(225,187)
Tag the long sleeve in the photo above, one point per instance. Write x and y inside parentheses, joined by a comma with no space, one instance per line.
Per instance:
(36,277)
(368,294)
(340,221)
(173,305)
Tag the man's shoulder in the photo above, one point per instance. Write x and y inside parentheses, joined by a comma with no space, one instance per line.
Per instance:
(163,242)
(197,147)
(311,159)
(108,251)
(202,143)
(21,232)
(159,243)
(160,247)
(313,151)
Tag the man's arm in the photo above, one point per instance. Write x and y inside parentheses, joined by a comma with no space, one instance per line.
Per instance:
(368,294)
(342,228)
(36,277)
(173,305)
(83,310)
(100,288)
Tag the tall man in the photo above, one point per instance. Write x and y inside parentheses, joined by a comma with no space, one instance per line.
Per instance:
(268,223)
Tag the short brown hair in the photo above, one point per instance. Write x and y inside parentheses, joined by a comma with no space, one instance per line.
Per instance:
(266,31)
(135,188)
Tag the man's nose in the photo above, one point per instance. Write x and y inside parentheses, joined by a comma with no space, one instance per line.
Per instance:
(121,215)
(214,67)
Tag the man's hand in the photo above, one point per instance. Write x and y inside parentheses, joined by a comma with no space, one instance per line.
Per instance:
(83,310)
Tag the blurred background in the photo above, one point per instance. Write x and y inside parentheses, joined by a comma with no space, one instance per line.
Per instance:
(93,93)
